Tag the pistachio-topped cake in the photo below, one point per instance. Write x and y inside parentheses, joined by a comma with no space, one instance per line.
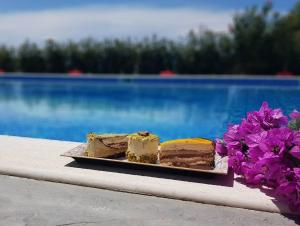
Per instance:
(142,147)
(195,153)
(106,145)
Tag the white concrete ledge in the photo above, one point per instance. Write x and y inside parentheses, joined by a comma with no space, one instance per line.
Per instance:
(40,159)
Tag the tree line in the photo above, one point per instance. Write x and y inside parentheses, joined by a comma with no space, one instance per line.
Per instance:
(259,41)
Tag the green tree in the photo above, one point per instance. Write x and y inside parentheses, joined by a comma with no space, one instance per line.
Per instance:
(287,41)
(73,56)
(226,51)
(156,55)
(7,59)
(92,56)
(206,53)
(54,57)
(30,58)
(252,33)
(119,56)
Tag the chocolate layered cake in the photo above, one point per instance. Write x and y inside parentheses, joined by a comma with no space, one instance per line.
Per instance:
(106,145)
(194,153)
(142,147)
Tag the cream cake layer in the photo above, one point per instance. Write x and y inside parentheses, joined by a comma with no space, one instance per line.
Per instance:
(106,145)
(142,147)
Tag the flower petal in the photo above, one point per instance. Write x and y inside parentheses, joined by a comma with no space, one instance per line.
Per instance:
(295,151)
(295,114)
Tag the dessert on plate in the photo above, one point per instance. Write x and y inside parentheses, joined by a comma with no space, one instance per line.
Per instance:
(106,145)
(197,153)
(142,147)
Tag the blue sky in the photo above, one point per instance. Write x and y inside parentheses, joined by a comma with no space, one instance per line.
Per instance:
(21,5)
(76,19)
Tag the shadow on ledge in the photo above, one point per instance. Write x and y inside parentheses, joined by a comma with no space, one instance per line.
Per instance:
(281,203)
(295,218)
(196,177)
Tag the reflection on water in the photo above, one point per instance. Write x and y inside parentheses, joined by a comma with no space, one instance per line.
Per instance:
(69,110)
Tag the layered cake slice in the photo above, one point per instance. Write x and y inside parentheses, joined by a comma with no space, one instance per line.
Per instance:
(106,145)
(142,147)
(194,153)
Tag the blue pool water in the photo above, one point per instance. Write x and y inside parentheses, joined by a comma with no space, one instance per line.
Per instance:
(67,109)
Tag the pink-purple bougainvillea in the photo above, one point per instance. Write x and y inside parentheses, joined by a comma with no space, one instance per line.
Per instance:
(265,149)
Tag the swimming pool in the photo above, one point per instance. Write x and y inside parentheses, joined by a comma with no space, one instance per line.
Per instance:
(67,109)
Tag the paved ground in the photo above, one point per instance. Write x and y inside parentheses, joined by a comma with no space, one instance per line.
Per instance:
(30,202)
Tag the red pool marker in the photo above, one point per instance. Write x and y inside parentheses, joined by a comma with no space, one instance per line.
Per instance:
(167,73)
(75,73)
(1,72)
(285,73)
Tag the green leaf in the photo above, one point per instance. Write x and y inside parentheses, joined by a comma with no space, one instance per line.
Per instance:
(294,124)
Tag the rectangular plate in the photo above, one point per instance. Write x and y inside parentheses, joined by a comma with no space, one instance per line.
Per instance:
(77,153)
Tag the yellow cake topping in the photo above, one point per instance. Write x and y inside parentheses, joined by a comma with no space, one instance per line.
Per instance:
(143,136)
(187,141)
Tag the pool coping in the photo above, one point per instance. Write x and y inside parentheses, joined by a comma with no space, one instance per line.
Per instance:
(40,159)
(265,80)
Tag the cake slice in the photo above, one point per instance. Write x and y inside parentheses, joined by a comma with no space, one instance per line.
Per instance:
(197,153)
(106,145)
(142,147)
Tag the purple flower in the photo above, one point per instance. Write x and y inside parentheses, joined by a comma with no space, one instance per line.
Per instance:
(252,173)
(255,154)
(234,140)
(267,118)
(232,134)
(265,170)
(235,161)
(289,187)
(253,140)
(277,141)
(297,138)
(271,167)
(220,147)
(295,114)
(297,173)
(248,127)
(266,152)
(295,152)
